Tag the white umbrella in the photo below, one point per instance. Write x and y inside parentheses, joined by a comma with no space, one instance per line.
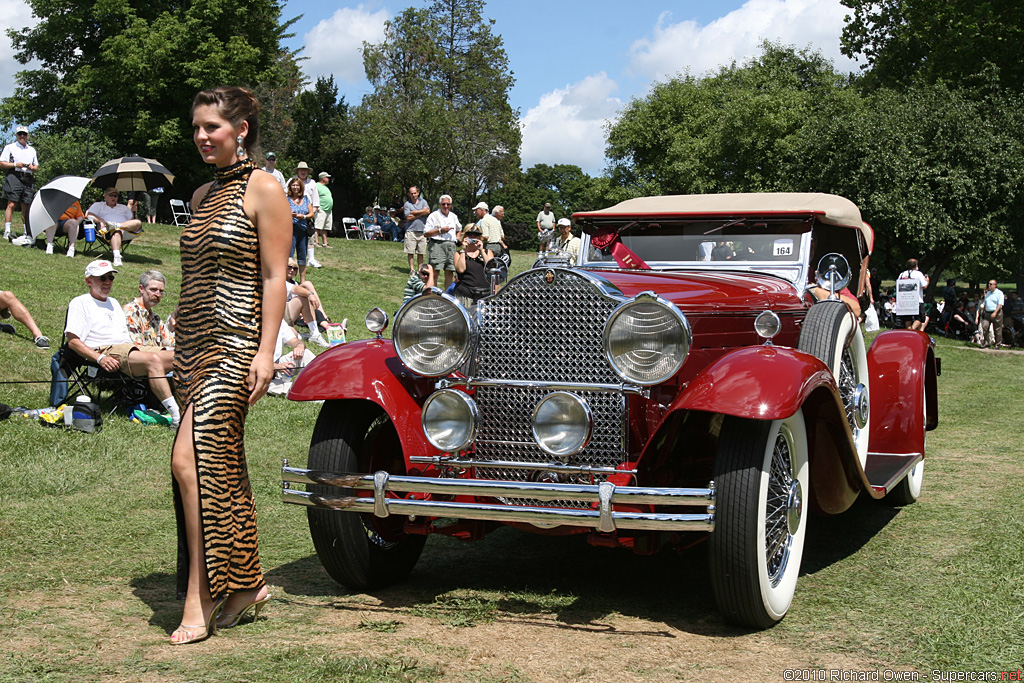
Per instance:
(52,200)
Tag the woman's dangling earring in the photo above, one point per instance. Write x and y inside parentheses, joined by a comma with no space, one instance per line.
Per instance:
(241,150)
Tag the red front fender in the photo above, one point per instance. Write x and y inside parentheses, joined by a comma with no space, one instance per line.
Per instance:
(370,371)
(763,382)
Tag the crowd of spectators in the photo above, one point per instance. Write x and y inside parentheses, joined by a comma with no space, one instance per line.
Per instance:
(989,317)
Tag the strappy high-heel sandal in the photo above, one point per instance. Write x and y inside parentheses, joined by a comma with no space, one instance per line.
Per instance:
(208,629)
(230,620)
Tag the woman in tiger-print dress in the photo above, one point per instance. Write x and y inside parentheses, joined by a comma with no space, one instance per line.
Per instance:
(233,267)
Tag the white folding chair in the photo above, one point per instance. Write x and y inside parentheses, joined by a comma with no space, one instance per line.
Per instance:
(180,213)
(351,225)
(369,230)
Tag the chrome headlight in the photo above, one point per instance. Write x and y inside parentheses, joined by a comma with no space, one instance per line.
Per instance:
(432,334)
(646,340)
(450,419)
(562,423)
(767,325)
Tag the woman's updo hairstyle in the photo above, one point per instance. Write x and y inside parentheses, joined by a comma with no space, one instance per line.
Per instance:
(235,104)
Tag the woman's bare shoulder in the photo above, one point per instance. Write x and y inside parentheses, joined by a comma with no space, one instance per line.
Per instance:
(200,193)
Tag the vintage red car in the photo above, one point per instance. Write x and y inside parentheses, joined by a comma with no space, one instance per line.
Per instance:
(698,371)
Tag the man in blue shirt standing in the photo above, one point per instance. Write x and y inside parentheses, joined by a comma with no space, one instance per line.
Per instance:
(416,210)
(991,316)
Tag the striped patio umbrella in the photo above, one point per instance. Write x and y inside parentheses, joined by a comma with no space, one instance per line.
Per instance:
(132,174)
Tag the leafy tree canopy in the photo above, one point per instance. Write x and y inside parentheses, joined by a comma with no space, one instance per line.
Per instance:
(439,115)
(931,40)
(726,132)
(129,70)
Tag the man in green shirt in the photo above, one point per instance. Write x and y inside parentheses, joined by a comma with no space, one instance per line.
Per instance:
(324,219)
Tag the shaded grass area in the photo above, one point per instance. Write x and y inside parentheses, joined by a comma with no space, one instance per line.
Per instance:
(87,541)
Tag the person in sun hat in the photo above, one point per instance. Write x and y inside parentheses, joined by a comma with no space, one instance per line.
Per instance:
(304,173)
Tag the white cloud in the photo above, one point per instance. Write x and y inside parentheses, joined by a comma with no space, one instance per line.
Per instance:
(674,47)
(335,45)
(13,14)
(567,125)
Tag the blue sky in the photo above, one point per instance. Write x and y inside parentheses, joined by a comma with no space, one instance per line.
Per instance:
(576,62)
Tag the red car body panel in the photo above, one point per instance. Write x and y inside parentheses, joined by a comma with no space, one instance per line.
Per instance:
(370,371)
(901,367)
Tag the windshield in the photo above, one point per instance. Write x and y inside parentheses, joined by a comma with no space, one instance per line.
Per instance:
(707,242)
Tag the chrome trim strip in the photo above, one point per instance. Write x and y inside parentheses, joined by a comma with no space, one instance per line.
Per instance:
(587,493)
(442,461)
(449,382)
(509,513)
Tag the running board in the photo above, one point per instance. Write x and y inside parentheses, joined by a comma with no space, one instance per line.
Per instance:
(885,470)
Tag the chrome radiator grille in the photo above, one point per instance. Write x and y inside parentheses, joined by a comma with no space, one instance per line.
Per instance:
(535,331)
(532,330)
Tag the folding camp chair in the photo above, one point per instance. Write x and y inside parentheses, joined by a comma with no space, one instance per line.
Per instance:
(180,213)
(102,242)
(73,375)
(84,377)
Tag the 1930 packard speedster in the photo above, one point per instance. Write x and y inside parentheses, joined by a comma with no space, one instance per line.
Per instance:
(694,372)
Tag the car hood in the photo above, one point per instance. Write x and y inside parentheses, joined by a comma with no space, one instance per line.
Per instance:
(709,291)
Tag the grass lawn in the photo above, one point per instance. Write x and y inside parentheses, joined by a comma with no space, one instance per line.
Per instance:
(87,547)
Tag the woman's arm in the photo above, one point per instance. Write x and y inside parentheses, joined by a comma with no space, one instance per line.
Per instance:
(460,262)
(269,210)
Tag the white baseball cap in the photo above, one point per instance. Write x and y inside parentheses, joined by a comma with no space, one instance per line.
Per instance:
(564,221)
(481,205)
(97,268)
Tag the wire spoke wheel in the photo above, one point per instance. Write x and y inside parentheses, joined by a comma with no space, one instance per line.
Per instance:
(831,333)
(761,487)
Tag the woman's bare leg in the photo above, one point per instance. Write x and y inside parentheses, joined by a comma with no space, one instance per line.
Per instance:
(198,603)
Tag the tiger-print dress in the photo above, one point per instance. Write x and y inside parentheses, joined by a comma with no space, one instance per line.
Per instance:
(217,336)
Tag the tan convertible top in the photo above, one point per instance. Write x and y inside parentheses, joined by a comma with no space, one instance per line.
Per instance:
(828,208)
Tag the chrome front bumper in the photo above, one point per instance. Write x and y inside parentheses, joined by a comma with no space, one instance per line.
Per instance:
(602,518)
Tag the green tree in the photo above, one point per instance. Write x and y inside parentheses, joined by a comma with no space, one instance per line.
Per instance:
(931,40)
(937,174)
(439,115)
(727,132)
(323,137)
(129,70)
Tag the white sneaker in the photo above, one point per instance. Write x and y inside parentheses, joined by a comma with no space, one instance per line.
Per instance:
(49,248)
(22,241)
(71,252)
(117,261)
(7,234)
(318,339)
(315,263)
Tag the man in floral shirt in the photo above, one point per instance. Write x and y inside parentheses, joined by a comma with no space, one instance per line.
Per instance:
(144,326)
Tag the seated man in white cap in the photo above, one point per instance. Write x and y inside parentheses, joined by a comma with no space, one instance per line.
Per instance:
(115,221)
(96,330)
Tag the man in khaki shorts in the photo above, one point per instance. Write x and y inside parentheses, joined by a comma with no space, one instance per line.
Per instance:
(97,331)
(442,227)
(416,209)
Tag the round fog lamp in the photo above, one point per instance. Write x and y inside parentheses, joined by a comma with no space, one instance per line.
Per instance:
(767,325)
(450,420)
(562,424)
(376,321)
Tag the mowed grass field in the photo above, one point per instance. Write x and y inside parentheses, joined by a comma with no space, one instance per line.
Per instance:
(87,547)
